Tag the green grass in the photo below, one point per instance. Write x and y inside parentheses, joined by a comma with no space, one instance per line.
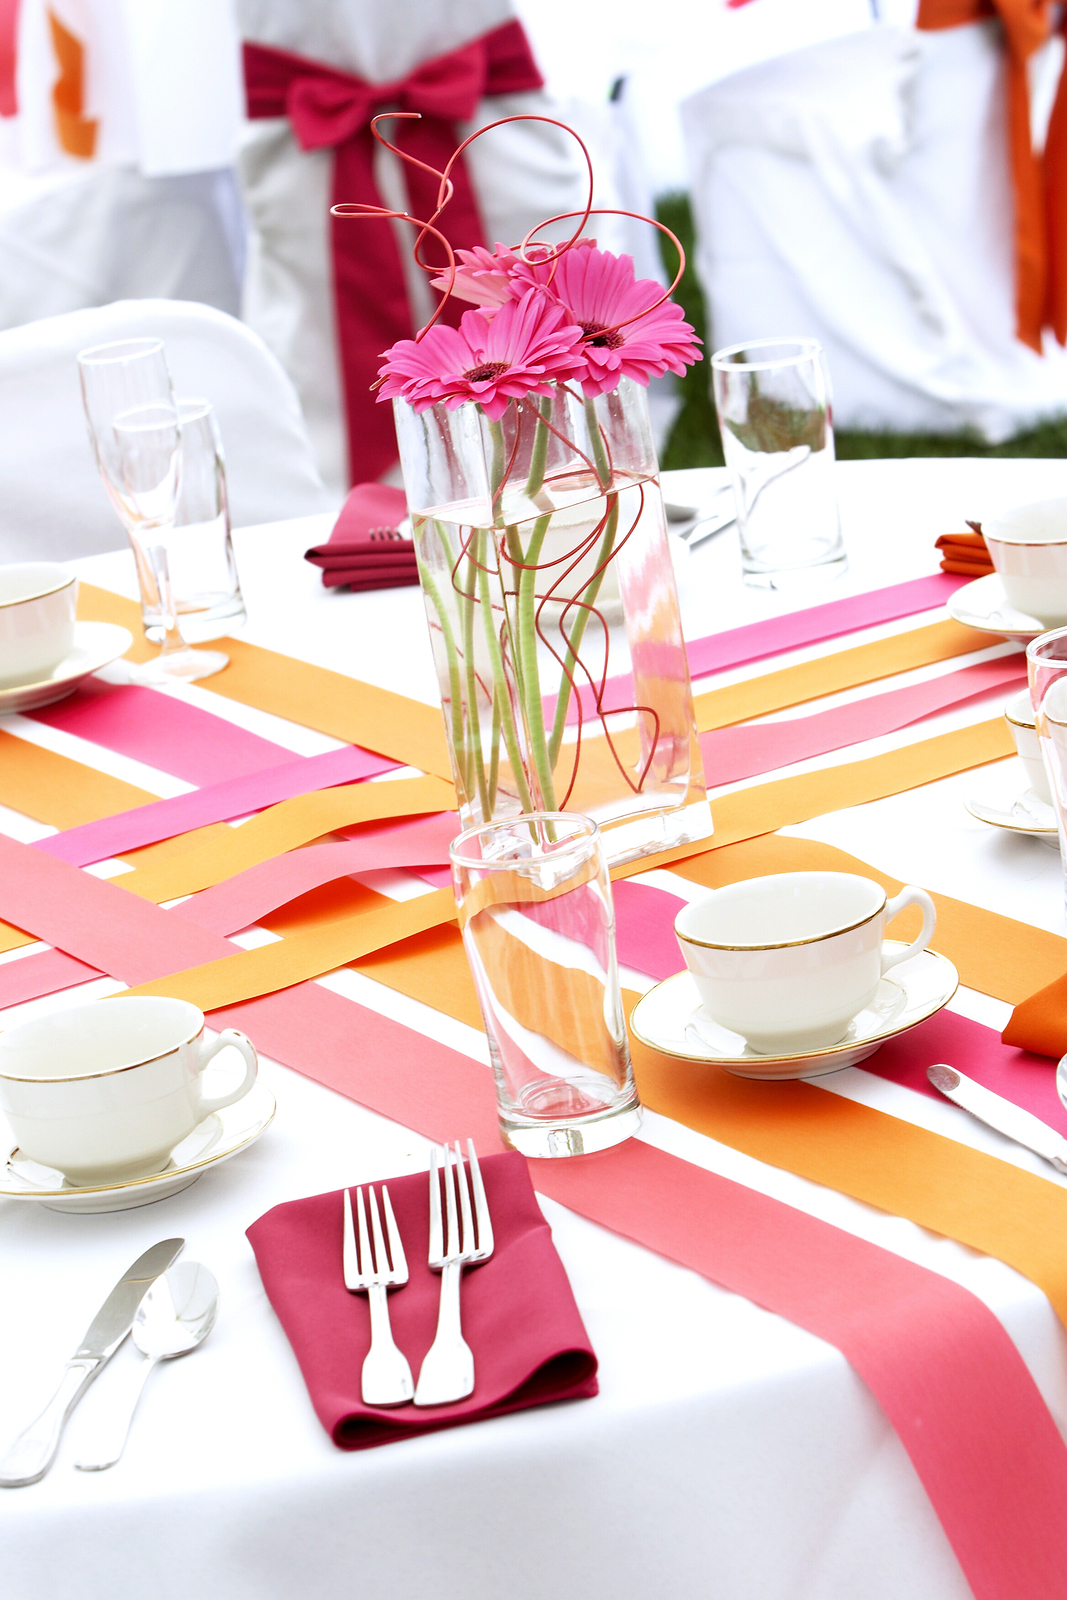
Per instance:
(694,440)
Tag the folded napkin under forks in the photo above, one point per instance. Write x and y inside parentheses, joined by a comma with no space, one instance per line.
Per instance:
(366,549)
(519,1315)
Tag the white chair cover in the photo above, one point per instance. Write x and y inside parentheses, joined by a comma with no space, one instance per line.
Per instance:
(859,192)
(53,505)
(155,211)
(521,174)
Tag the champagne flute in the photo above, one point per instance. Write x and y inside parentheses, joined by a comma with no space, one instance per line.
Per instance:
(135,431)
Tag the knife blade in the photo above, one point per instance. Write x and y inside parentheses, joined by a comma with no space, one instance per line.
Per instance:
(1001,1114)
(33,1452)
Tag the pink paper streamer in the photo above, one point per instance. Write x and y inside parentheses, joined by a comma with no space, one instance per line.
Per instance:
(219,802)
(163,732)
(757,640)
(944,1371)
(745,751)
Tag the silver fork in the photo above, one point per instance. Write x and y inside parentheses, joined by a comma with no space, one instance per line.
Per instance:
(386,1375)
(457,1240)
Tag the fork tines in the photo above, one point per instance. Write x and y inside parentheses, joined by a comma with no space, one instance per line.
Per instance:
(382,1262)
(458,1231)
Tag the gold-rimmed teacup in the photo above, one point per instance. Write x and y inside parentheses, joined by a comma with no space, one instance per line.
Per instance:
(104,1091)
(788,960)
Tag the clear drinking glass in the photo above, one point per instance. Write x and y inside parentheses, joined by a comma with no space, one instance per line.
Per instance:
(203,572)
(135,431)
(1046,664)
(538,925)
(775,413)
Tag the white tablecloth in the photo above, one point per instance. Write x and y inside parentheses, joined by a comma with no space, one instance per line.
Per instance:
(729,1454)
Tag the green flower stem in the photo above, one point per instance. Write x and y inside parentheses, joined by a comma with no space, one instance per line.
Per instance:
(494,746)
(526,642)
(600,455)
(507,720)
(474,730)
(459,739)
(574,639)
(496,472)
(539,454)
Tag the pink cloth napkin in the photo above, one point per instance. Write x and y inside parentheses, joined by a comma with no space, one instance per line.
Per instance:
(365,550)
(519,1315)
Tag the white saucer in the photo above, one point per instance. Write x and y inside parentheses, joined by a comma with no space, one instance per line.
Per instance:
(983,604)
(671,1019)
(96,644)
(1004,801)
(216,1139)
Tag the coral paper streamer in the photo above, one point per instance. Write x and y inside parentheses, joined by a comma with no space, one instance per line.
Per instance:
(937,1361)
(905,1170)
(238,902)
(926,1349)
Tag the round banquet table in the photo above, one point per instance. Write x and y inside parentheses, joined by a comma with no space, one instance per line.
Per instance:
(729,1453)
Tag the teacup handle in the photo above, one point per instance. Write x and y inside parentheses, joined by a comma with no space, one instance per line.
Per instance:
(209,1051)
(910,897)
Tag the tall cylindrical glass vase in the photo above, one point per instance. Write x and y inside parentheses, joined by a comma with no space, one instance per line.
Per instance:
(553,614)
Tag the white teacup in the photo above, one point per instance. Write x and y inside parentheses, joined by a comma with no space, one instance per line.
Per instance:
(1028,547)
(37,603)
(1019,715)
(787,961)
(103,1092)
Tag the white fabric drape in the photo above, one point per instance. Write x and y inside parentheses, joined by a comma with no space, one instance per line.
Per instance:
(859,192)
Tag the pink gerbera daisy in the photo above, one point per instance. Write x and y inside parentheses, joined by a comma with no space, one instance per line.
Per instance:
(482,276)
(522,349)
(624,333)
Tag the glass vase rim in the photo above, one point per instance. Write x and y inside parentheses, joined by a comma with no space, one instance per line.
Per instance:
(588,834)
(806,349)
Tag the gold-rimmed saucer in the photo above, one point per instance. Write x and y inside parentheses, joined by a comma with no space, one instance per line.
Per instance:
(1004,801)
(96,645)
(671,1019)
(983,604)
(212,1141)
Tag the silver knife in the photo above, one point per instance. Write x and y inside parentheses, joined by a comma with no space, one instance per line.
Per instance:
(1001,1114)
(33,1452)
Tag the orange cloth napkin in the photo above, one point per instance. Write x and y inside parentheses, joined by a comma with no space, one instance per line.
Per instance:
(965,553)
(1040,1023)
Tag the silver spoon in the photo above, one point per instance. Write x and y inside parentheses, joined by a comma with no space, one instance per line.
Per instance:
(176,1315)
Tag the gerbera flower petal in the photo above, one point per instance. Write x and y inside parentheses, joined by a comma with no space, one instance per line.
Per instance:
(625,333)
(521,349)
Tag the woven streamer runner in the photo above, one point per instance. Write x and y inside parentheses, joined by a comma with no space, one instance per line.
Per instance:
(963,1403)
